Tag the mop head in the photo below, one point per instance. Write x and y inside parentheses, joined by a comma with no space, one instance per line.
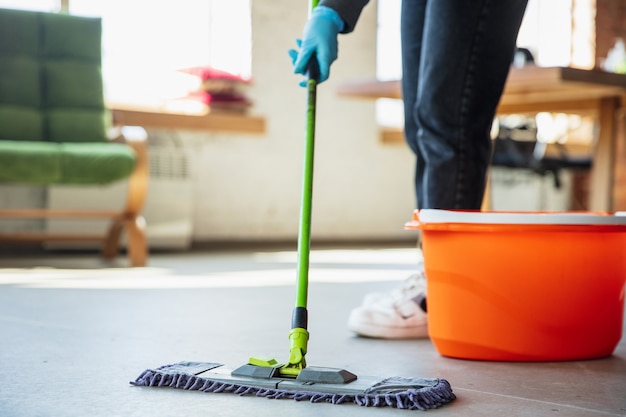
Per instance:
(396,392)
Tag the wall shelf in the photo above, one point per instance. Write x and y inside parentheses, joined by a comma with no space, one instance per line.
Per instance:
(125,115)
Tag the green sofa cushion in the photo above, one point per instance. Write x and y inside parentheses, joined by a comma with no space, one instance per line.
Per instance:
(30,162)
(73,84)
(64,163)
(95,163)
(20,123)
(72,37)
(73,91)
(20,81)
(19,33)
(53,119)
(66,125)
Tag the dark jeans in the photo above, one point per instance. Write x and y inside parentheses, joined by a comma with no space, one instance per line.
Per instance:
(456,55)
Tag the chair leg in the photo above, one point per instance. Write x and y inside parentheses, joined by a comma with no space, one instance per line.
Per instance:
(110,248)
(137,243)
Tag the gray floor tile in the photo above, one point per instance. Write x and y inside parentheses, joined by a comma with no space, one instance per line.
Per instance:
(74,332)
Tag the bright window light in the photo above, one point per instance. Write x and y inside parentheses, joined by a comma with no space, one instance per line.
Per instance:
(389,112)
(546,30)
(41,5)
(146,42)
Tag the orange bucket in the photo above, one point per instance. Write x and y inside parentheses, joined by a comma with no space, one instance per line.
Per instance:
(508,286)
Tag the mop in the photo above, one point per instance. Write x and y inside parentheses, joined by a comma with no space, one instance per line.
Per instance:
(294,379)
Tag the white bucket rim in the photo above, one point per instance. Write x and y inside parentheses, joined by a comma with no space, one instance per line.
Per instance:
(542,218)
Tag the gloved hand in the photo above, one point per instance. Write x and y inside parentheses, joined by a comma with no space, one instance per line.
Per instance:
(320,38)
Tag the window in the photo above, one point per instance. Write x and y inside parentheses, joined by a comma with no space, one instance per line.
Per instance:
(145,42)
(43,5)
(388,60)
(546,30)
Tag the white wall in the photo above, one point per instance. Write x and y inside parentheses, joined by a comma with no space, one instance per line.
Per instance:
(248,187)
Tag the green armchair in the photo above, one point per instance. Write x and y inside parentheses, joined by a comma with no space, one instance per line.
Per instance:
(54,127)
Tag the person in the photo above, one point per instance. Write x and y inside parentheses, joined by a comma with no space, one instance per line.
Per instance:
(456,56)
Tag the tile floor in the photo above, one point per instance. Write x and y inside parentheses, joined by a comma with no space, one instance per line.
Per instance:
(75,331)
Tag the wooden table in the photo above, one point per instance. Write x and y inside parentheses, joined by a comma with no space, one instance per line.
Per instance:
(150,117)
(551,89)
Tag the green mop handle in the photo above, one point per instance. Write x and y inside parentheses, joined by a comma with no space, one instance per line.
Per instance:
(304,237)
(299,335)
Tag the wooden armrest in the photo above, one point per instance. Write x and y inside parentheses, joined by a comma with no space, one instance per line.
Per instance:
(131,220)
(137,139)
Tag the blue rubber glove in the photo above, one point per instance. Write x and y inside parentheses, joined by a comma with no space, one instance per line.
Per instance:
(320,38)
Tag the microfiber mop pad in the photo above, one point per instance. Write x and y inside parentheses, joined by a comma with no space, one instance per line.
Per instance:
(396,392)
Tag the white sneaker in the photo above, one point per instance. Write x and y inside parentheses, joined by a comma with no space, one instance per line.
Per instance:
(411,287)
(400,314)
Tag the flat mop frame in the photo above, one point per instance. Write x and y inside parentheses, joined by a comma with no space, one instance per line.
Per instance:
(294,380)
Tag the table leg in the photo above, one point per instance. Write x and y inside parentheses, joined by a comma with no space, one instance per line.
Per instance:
(603,169)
